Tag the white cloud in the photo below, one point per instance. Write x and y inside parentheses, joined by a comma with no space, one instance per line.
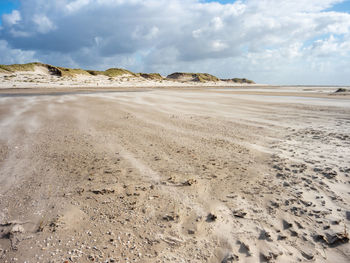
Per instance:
(44,24)
(218,45)
(145,33)
(76,5)
(12,56)
(254,38)
(11,19)
(329,47)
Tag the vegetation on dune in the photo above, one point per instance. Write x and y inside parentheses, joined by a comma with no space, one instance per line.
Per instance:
(112,72)
(3,70)
(62,71)
(95,72)
(204,77)
(241,81)
(115,72)
(341,90)
(69,72)
(200,77)
(19,67)
(152,76)
(58,71)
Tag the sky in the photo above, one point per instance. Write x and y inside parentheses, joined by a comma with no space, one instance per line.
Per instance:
(287,42)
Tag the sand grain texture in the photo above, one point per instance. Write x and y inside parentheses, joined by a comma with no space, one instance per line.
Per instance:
(169,175)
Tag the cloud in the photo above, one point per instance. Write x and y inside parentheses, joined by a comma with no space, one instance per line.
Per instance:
(13,56)
(11,19)
(253,38)
(76,5)
(44,24)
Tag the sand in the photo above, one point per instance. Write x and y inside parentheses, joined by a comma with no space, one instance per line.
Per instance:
(174,175)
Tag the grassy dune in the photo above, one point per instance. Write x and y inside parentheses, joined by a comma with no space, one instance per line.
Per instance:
(152,76)
(61,71)
(238,80)
(200,77)
(115,72)
(19,67)
(112,72)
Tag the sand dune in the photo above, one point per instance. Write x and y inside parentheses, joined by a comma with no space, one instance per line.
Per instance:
(34,75)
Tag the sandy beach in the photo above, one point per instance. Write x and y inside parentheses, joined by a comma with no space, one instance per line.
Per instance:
(258,174)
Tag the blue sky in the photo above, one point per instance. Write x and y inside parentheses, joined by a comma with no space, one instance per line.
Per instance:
(270,41)
(220,1)
(6,6)
(342,7)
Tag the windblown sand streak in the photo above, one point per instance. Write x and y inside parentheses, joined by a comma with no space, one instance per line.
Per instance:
(171,175)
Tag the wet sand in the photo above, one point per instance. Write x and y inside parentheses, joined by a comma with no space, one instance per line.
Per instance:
(174,175)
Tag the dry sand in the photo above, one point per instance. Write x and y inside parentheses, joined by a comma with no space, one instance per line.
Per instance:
(174,175)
